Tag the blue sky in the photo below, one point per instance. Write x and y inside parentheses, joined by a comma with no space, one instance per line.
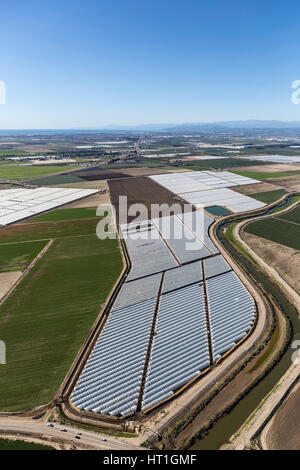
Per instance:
(71,63)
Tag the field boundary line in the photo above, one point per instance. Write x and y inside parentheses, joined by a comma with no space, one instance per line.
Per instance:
(46,239)
(207,317)
(24,274)
(287,221)
(150,343)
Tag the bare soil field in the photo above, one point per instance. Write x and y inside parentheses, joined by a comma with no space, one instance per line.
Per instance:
(102,176)
(7,280)
(273,167)
(284,430)
(92,201)
(255,188)
(141,190)
(97,174)
(285,260)
(83,184)
(290,182)
(143,171)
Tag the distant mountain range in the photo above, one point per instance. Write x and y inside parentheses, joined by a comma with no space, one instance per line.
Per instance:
(249,126)
(203,126)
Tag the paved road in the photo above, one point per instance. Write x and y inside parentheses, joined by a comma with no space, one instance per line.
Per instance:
(36,429)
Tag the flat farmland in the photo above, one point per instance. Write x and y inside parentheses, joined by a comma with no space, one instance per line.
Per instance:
(262,187)
(277,230)
(18,256)
(141,190)
(290,183)
(66,214)
(14,172)
(48,230)
(218,163)
(100,176)
(284,431)
(293,216)
(48,316)
(262,176)
(54,180)
(99,173)
(269,196)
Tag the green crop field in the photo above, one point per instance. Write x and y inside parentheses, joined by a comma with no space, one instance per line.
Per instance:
(293,216)
(58,179)
(269,196)
(277,230)
(224,163)
(48,230)
(24,172)
(48,316)
(66,214)
(6,444)
(261,175)
(12,152)
(18,256)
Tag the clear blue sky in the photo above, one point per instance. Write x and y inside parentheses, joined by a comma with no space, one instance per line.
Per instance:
(71,63)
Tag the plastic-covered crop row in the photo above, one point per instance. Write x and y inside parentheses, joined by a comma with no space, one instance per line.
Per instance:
(111,380)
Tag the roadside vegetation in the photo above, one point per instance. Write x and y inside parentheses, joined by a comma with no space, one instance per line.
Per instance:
(6,444)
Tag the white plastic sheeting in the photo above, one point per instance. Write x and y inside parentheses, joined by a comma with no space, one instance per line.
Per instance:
(137,291)
(180,347)
(208,188)
(182,276)
(231,312)
(276,158)
(111,381)
(147,251)
(180,239)
(19,204)
(199,223)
